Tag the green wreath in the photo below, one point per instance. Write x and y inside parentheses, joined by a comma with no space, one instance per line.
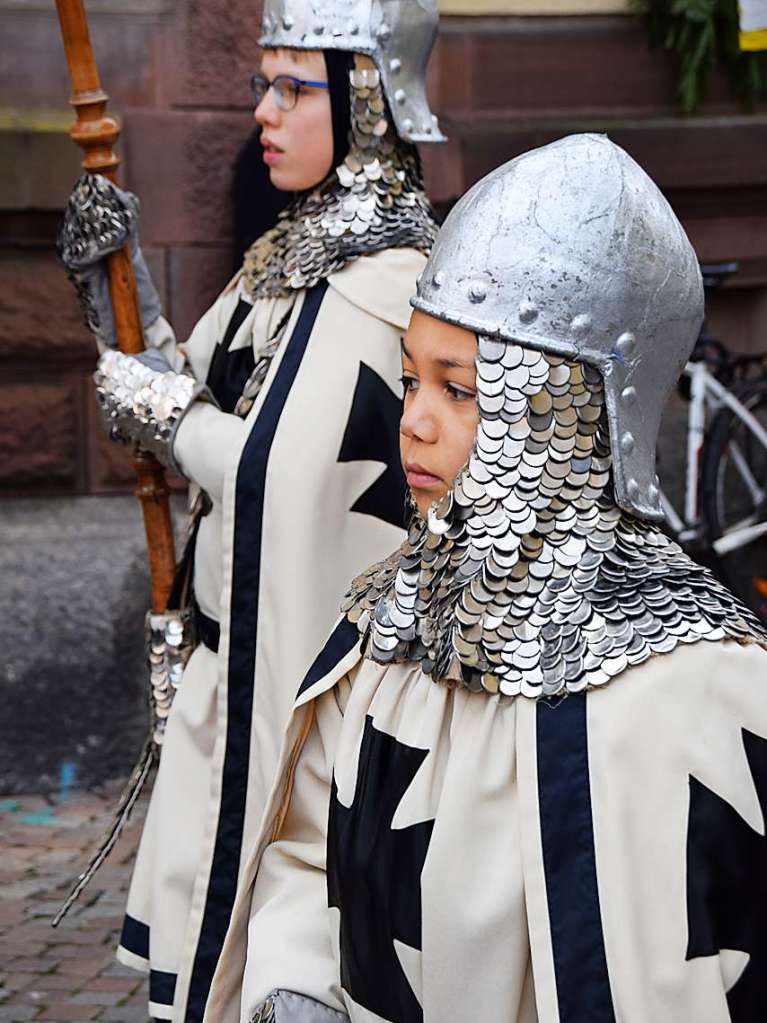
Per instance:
(702,34)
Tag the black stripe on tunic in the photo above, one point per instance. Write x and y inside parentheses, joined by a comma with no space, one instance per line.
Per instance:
(135,937)
(162,987)
(342,639)
(243,631)
(567,834)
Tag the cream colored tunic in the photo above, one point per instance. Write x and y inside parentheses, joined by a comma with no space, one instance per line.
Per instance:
(600,858)
(297,511)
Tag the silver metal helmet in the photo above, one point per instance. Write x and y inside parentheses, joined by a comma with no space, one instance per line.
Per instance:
(571,249)
(397,34)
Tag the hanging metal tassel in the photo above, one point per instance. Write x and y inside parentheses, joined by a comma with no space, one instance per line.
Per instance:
(128,799)
(170,640)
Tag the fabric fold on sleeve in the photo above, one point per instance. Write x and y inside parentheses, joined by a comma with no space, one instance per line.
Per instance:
(208,442)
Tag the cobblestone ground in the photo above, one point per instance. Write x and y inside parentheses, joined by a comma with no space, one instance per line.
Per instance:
(67,975)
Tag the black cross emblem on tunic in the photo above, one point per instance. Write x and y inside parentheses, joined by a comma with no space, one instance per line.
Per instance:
(727,885)
(372,434)
(374,877)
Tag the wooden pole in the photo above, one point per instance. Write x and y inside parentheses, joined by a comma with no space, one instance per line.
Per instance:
(96,133)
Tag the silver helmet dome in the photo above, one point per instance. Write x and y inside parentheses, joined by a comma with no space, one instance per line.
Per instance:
(397,34)
(571,249)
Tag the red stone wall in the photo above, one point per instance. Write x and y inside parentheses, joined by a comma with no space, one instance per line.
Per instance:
(177,73)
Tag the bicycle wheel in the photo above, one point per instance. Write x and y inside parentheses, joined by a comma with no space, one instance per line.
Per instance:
(734,498)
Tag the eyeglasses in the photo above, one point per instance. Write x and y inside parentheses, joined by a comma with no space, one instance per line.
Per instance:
(286,89)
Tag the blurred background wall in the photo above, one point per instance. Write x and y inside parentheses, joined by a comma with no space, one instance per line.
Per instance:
(507,75)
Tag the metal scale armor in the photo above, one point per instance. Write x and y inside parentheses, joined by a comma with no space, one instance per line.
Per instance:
(542,572)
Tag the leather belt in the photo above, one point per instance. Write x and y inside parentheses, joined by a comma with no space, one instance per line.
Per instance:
(208,630)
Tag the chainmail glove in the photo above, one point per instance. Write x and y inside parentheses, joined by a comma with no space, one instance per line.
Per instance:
(143,401)
(289,1007)
(100,218)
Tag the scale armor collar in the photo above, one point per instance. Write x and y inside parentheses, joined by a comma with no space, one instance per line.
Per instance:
(374,200)
(528,578)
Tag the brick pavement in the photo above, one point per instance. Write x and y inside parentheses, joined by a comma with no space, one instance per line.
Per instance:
(67,975)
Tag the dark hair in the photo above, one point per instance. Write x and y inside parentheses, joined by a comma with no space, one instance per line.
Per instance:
(256,202)
(338,64)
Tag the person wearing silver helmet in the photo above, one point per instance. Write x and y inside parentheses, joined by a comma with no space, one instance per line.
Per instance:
(281,410)
(526,778)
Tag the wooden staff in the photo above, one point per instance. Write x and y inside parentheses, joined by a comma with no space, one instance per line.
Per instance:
(96,133)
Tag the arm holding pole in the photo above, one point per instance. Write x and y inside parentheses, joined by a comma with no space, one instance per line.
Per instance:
(96,132)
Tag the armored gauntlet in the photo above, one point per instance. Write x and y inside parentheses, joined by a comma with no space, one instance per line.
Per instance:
(143,401)
(99,219)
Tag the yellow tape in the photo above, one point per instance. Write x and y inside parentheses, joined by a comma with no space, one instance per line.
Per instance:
(756,40)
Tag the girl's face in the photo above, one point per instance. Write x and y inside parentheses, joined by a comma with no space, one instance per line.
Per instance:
(440,416)
(298,143)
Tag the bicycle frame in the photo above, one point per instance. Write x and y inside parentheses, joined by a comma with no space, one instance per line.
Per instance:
(706,392)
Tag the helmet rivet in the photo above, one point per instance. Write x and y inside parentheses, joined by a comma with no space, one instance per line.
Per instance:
(383,32)
(400,96)
(395,65)
(319,29)
(627,443)
(407,125)
(629,395)
(580,324)
(624,346)
(287,21)
(478,292)
(528,312)
(632,489)
(353,28)
(438,279)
